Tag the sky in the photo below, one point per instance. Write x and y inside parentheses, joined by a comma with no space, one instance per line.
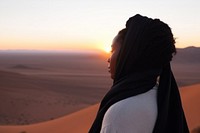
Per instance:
(89,24)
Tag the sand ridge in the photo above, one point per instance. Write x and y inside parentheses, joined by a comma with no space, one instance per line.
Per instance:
(80,122)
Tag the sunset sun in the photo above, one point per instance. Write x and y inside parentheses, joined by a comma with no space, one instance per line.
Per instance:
(107,49)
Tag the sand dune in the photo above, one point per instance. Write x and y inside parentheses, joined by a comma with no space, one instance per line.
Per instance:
(27,99)
(191,100)
(80,121)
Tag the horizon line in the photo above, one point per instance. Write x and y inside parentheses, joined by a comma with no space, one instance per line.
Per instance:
(66,51)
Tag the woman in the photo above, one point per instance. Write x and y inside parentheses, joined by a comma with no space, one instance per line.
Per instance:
(137,101)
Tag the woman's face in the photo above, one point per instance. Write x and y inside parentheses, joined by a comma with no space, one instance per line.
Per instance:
(113,58)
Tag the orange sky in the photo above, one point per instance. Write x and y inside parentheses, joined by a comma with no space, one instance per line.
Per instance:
(88,25)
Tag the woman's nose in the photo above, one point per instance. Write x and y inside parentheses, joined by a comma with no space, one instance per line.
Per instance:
(108,60)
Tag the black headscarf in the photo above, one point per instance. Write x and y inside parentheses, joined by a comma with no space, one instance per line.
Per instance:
(144,55)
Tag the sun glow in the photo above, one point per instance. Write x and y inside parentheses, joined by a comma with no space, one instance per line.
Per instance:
(107,49)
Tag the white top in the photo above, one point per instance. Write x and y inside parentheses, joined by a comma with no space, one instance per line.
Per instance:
(136,114)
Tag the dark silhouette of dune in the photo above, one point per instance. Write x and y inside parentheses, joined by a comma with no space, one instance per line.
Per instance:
(186,66)
(21,66)
(189,55)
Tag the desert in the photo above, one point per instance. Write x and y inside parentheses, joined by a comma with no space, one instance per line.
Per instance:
(55,92)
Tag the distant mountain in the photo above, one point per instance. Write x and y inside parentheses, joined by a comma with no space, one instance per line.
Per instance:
(186,66)
(187,55)
(21,66)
